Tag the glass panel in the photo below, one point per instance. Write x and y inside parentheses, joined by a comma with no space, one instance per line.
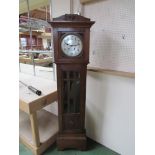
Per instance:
(23,42)
(71,98)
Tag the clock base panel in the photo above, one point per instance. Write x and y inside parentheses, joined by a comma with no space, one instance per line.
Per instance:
(75,141)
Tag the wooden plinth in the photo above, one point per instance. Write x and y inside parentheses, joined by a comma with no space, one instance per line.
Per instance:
(75,141)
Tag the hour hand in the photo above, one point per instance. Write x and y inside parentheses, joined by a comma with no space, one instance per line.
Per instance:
(67,43)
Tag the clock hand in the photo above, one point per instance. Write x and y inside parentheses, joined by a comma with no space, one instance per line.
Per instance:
(66,43)
(72,44)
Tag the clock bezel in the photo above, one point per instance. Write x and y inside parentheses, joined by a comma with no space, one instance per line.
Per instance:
(78,34)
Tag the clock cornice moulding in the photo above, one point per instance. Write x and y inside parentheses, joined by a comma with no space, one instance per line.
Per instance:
(72,19)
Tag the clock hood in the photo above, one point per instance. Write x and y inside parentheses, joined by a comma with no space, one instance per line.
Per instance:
(72,19)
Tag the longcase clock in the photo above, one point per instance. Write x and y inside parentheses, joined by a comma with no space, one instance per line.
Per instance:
(71,51)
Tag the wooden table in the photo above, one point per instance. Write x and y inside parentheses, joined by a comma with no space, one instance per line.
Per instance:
(38,127)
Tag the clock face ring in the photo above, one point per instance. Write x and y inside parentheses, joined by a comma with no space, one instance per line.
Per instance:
(71,45)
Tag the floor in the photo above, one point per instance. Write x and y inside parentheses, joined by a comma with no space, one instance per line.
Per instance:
(93,149)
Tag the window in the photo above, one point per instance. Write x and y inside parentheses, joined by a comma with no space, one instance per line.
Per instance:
(23,42)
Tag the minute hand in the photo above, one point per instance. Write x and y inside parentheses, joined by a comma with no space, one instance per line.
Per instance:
(72,44)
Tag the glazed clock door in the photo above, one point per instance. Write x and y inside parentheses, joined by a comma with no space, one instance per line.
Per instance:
(72,92)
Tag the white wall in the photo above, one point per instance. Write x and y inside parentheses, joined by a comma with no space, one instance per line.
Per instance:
(60,7)
(110,99)
(110,111)
(77,7)
(112,36)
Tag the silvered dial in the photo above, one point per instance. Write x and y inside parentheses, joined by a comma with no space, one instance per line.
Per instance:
(71,45)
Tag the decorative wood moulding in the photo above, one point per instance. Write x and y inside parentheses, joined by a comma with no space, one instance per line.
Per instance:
(71,20)
(112,72)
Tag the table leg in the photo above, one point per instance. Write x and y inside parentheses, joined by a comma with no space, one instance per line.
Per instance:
(35,131)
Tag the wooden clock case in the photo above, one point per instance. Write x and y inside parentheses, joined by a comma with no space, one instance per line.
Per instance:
(71,81)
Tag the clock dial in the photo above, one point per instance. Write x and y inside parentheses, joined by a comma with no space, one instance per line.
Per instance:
(71,45)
